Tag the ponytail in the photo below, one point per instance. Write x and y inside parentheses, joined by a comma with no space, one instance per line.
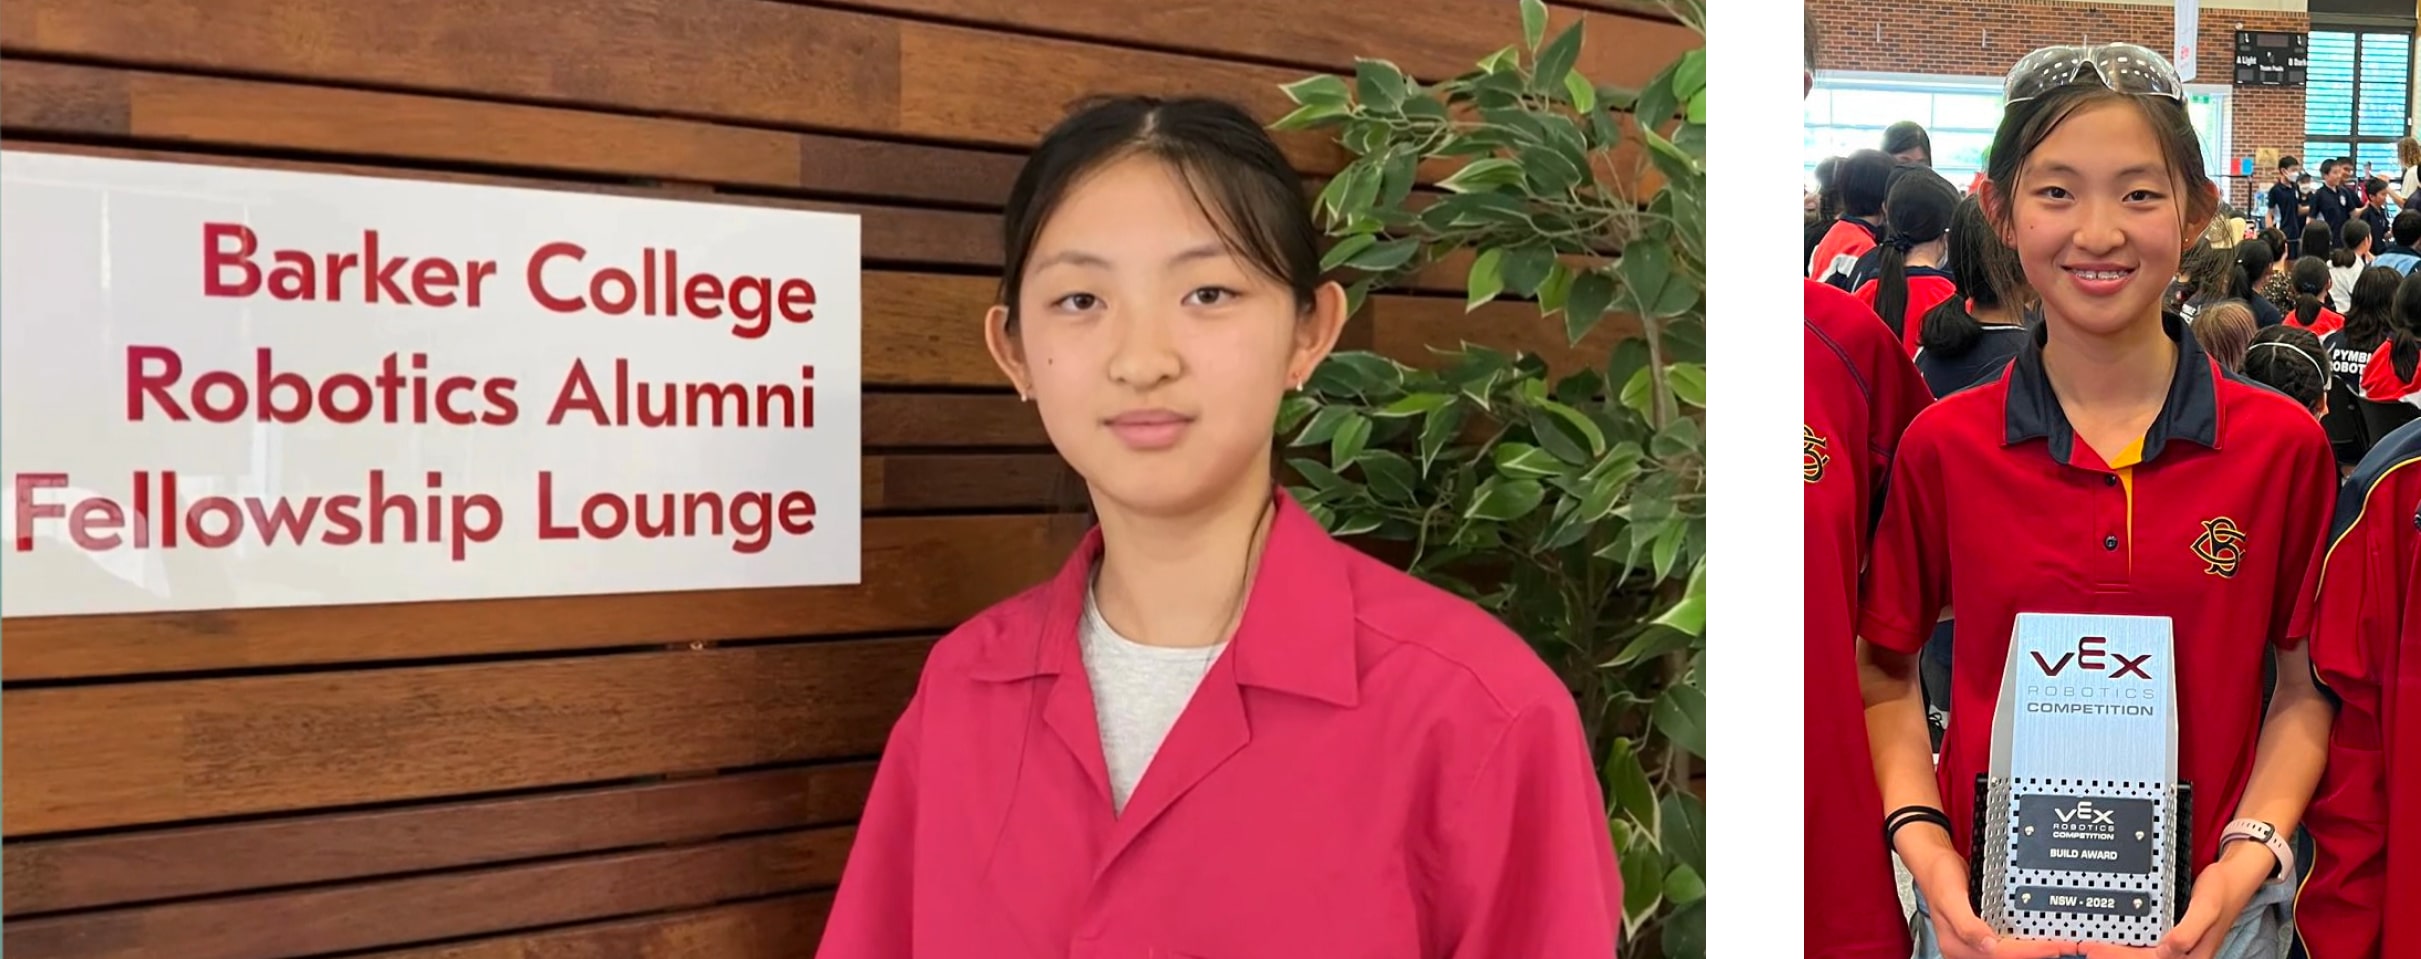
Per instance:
(1949,328)
(2355,232)
(1916,212)
(2311,283)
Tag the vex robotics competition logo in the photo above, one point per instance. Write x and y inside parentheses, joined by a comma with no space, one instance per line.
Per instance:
(1813,457)
(2220,547)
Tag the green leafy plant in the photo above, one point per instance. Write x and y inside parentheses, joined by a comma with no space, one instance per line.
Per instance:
(1569,502)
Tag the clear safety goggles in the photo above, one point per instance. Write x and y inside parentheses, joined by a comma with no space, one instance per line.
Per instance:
(2123,67)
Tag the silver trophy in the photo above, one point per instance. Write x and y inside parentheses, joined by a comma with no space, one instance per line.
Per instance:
(2082,828)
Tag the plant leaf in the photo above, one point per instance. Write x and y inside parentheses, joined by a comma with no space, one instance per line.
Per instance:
(1379,83)
(1647,265)
(1548,171)
(1656,100)
(1584,94)
(1534,22)
(1689,615)
(1351,436)
(1525,267)
(1505,500)
(1647,645)
(1346,249)
(1592,293)
(1397,175)
(1322,478)
(1522,460)
(1580,422)
(1681,715)
(1392,477)
(1689,74)
(1414,404)
(1385,255)
(1323,88)
(1683,887)
(1485,281)
(1685,932)
(1628,784)
(1311,115)
(1556,290)
(1555,60)
(1697,109)
(1681,832)
(1485,173)
(1689,383)
(1324,425)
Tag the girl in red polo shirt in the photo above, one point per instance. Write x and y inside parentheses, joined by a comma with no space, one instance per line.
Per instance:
(1911,281)
(2117,448)
(1218,731)
(2312,310)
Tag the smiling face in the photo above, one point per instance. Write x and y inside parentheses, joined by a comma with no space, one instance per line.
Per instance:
(2098,220)
(1156,355)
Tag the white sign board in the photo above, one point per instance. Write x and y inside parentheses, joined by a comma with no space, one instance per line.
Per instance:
(246,388)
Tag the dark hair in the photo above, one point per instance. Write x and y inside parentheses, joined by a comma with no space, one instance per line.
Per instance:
(2405,333)
(1917,213)
(2374,186)
(2275,238)
(2223,329)
(2288,162)
(1908,135)
(2291,361)
(2027,123)
(1865,180)
(2317,237)
(1238,177)
(2407,228)
(2328,166)
(2254,261)
(2352,235)
(1828,189)
(2371,310)
(2311,278)
(1950,328)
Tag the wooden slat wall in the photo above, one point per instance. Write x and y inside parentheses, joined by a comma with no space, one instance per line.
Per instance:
(666,776)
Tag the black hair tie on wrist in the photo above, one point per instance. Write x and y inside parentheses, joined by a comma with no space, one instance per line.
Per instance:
(1906,815)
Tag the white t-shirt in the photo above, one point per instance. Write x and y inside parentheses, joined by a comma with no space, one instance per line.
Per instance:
(1138,693)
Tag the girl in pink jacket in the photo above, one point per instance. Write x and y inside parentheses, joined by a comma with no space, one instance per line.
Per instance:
(1217,733)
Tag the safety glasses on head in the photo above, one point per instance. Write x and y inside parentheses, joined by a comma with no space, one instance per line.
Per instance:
(2123,67)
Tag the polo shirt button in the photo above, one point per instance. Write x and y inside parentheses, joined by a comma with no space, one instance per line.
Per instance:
(2109,542)
(2109,479)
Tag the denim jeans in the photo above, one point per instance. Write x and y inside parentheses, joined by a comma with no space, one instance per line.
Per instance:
(2264,930)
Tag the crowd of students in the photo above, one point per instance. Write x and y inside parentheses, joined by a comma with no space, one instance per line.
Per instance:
(2083,388)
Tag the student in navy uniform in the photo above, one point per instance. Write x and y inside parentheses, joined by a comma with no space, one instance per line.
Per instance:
(2287,210)
(2155,484)
(2375,194)
(2328,204)
(1907,142)
(2400,255)
(2255,265)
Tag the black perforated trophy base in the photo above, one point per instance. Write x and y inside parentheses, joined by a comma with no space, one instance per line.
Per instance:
(2086,886)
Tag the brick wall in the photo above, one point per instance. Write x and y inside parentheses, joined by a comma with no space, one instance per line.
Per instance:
(1983,37)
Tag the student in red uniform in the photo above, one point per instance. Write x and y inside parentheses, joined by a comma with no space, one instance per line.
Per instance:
(1861,392)
(2312,298)
(1864,178)
(2365,821)
(2394,372)
(1910,280)
(1218,731)
(2154,484)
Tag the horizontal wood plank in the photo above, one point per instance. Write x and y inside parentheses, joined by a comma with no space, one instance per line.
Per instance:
(754,62)
(896,420)
(1432,41)
(421,909)
(786,927)
(920,573)
(49,875)
(125,754)
(972,481)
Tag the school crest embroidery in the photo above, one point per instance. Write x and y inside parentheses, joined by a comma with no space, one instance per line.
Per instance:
(2220,547)
(1813,457)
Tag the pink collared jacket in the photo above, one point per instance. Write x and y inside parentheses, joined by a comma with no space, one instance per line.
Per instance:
(1374,768)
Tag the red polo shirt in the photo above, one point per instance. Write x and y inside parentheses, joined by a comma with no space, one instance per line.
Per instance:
(1927,288)
(1861,392)
(2365,819)
(2216,519)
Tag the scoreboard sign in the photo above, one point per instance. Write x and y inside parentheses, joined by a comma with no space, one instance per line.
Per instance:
(2267,59)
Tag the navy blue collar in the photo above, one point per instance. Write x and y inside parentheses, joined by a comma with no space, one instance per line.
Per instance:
(2190,413)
